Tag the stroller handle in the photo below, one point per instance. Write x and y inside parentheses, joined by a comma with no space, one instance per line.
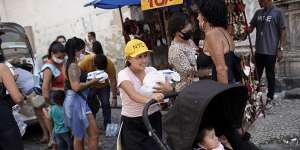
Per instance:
(148,125)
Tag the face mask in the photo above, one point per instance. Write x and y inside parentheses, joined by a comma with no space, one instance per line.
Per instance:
(81,56)
(57,60)
(186,36)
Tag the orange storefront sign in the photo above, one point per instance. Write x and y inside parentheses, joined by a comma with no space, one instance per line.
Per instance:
(151,4)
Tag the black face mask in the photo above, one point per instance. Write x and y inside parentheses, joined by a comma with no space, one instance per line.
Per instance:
(186,36)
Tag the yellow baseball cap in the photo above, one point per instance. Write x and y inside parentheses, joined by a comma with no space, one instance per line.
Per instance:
(135,47)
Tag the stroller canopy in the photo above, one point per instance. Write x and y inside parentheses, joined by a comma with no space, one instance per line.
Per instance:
(204,103)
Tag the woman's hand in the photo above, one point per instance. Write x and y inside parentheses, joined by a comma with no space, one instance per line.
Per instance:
(157,96)
(163,87)
(95,80)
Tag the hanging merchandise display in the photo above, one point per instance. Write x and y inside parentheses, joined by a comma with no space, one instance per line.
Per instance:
(238,28)
(237,24)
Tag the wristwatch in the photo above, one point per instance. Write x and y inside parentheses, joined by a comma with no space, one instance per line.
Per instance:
(281,48)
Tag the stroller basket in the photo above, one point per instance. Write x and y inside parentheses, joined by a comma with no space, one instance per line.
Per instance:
(203,102)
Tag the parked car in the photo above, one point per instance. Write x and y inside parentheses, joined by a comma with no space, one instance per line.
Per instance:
(16,47)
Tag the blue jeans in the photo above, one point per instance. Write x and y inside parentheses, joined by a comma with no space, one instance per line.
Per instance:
(102,94)
(64,141)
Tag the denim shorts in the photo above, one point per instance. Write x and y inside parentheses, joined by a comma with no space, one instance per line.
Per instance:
(76,110)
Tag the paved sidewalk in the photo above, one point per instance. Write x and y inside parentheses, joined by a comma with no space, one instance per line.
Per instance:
(280,130)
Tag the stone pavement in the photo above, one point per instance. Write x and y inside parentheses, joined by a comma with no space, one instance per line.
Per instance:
(280,130)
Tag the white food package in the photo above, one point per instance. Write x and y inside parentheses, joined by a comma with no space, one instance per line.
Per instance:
(170,75)
(150,81)
(98,74)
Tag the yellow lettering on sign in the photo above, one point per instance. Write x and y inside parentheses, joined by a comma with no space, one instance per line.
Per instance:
(151,4)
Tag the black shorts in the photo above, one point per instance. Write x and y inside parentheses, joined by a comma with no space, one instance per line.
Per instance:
(134,135)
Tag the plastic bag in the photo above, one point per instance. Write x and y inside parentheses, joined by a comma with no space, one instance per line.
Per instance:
(99,74)
(21,124)
(170,75)
(150,81)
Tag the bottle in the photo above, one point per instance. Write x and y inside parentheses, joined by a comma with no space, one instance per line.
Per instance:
(108,130)
(115,129)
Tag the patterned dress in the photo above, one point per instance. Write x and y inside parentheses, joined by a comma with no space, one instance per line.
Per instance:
(182,58)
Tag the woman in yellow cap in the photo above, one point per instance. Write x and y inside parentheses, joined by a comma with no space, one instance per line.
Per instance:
(134,135)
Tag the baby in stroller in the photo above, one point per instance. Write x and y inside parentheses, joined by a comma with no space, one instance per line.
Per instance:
(207,140)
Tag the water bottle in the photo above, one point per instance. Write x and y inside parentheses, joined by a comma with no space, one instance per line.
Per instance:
(108,130)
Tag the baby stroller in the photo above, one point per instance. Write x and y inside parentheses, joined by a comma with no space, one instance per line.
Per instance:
(202,103)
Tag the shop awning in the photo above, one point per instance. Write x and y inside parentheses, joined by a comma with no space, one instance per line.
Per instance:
(112,4)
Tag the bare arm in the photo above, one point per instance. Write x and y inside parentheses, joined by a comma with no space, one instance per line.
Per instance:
(216,50)
(113,80)
(47,77)
(282,38)
(10,84)
(135,96)
(74,78)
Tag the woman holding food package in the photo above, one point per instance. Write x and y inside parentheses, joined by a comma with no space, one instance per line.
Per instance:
(130,80)
(78,115)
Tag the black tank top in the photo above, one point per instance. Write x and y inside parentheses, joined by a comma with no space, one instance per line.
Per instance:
(83,77)
(230,60)
(7,118)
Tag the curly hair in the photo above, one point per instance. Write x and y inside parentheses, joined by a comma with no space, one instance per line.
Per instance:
(176,23)
(214,12)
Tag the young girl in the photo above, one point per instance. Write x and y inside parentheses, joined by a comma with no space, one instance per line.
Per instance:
(56,114)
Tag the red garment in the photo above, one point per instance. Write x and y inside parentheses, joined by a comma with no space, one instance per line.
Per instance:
(59,82)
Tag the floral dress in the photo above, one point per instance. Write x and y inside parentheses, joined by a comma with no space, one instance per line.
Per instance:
(182,58)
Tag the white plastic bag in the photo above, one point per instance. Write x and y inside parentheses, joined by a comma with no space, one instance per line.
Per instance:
(170,75)
(98,74)
(150,81)
(21,124)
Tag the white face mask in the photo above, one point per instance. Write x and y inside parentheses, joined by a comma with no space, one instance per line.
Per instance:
(81,56)
(57,60)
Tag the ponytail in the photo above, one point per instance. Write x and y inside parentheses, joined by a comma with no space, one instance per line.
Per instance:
(72,46)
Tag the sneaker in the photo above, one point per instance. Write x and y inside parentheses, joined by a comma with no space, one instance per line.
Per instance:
(269,103)
(269,106)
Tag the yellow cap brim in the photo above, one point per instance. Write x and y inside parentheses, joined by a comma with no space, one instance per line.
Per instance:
(141,52)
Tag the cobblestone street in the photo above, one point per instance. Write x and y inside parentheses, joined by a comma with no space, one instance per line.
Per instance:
(280,130)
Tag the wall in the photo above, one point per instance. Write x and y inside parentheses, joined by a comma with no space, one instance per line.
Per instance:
(50,18)
(2,10)
(290,66)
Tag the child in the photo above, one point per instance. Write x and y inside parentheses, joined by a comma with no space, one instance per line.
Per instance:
(208,140)
(56,114)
